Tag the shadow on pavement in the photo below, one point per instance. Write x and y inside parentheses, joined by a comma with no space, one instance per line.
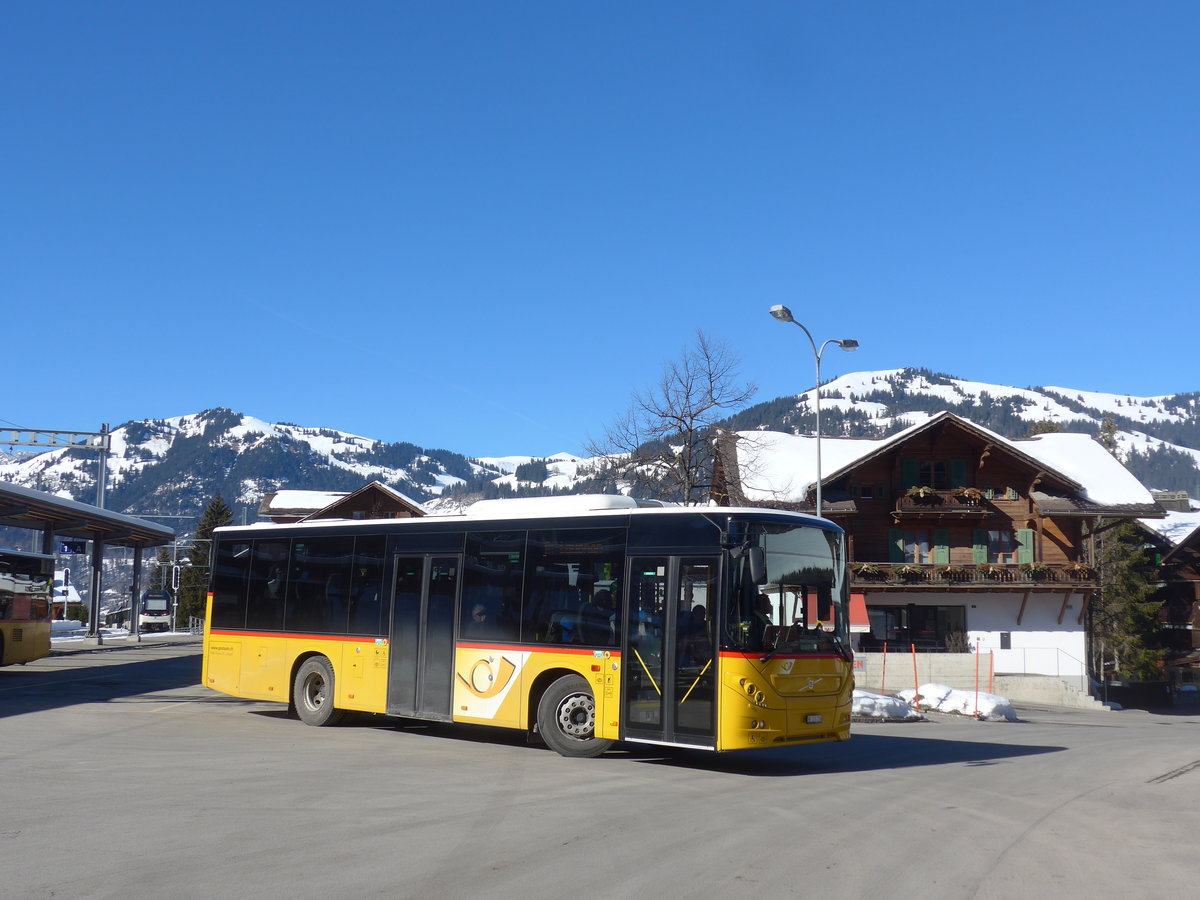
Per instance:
(862,753)
(24,690)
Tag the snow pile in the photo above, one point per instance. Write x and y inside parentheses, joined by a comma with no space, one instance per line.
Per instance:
(876,706)
(945,699)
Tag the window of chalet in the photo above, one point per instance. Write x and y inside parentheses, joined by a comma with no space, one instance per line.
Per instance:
(1001,548)
(917,548)
(919,545)
(1004,548)
(933,473)
(939,474)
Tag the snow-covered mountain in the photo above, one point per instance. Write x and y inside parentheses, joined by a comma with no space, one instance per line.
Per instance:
(175,466)
(1158,438)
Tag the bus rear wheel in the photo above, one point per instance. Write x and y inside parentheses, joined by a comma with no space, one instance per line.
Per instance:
(566,718)
(313,693)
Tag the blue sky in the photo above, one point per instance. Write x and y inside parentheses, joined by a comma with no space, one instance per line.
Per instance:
(481,226)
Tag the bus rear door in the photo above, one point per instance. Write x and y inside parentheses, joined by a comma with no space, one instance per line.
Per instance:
(421,657)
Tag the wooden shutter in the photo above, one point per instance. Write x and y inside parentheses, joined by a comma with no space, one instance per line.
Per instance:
(909,472)
(895,545)
(941,547)
(1025,545)
(958,473)
(979,546)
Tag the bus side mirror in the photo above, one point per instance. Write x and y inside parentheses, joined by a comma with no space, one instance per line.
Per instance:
(758,565)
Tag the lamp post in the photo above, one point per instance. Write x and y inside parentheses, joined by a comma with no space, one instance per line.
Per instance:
(783,314)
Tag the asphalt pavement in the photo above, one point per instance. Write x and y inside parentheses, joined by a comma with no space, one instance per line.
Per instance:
(123,777)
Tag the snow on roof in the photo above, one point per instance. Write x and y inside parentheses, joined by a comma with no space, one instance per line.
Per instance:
(777,466)
(314,500)
(1175,526)
(1079,457)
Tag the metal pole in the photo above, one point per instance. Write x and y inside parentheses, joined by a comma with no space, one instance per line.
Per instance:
(135,600)
(817,393)
(102,467)
(816,403)
(782,314)
(97,565)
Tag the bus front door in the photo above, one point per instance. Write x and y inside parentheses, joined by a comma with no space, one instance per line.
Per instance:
(669,662)
(421,659)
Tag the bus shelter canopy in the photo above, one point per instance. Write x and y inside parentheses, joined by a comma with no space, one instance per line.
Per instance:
(24,508)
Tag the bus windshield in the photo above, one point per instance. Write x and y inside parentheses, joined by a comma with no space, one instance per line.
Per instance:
(801,607)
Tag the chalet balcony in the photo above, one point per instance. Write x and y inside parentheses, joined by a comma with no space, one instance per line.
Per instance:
(923,500)
(976,577)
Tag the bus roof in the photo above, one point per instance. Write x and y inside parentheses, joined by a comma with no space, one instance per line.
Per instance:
(565,507)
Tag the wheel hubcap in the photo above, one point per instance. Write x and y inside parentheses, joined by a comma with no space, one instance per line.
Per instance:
(315,694)
(577,717)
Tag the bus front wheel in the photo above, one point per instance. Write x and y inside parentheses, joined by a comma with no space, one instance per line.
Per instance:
(566,718)
(313,693)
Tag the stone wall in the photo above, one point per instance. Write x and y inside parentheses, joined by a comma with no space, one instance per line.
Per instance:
(958,670)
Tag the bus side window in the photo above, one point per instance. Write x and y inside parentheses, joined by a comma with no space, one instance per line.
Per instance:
(366,585)
(571,588)
(267,586)
(320,573)
(231,565)
(493,579)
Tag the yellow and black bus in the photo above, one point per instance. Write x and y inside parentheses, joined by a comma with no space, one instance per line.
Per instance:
(26,588)
(587,620)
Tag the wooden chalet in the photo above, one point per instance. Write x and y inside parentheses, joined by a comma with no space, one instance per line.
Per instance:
(958,537)
(372,501)
(1177,571)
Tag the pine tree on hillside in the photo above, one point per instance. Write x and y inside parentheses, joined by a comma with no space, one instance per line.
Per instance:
(1108,435)
(193,582)
(1044,427)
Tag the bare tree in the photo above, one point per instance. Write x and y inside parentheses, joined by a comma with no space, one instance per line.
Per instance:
(662,446)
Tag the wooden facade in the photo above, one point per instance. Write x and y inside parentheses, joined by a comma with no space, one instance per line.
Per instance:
(959,538)
(1178,574)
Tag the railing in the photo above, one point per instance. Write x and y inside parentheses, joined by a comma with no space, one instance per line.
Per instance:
(983,574)
(944,501)
(195,625)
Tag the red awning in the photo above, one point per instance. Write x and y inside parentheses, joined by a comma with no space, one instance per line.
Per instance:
(859,622)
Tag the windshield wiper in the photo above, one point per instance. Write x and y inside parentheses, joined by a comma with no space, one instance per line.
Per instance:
(842,650)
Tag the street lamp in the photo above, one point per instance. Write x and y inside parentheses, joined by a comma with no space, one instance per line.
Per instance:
(783,314)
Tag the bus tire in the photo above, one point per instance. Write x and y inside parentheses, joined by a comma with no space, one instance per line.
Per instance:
(566,718)
(313,693)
